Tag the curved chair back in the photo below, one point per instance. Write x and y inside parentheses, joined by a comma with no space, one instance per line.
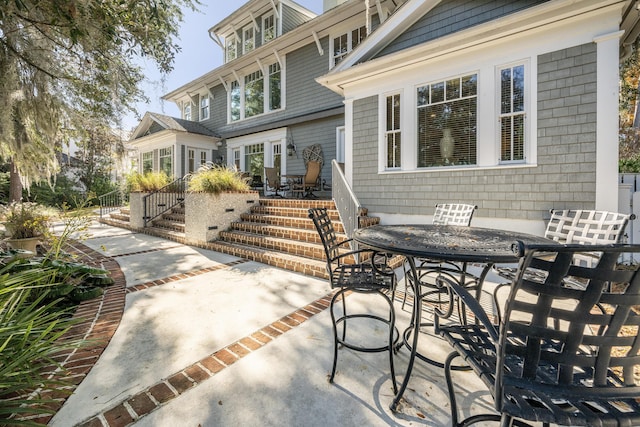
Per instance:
(312,174)
(453,214)
(565,345)
(325,229)
(273,178)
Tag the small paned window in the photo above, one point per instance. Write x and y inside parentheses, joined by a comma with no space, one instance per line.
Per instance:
(393,141)
(186,114)
(147,162)
(254,159)
(512,114)
(166,160)
(268,28)
(447,129)
(231,48)
(236,159)
(191,167)
(203,158)
(248,40)
(204,108)
(345,43)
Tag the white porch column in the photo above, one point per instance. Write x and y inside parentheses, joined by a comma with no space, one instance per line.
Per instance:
(348,140)
(607,121)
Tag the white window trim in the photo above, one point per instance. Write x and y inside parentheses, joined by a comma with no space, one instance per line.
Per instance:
(244,40)
(232,38)
(202,97)
(528,107)
(333,36)
(382,131)
(266,89)
(275,27)
(187,111)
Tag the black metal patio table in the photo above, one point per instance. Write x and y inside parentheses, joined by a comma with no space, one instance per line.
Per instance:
(446,243)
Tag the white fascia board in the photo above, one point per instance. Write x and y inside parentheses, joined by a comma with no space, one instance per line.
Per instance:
(160,139)
(559,11)
(256,138)
(295,39)
(144,124)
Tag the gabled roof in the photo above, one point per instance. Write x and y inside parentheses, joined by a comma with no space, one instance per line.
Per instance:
(363,61)
(171,124)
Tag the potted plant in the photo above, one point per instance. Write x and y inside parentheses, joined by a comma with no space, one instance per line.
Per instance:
(25,223)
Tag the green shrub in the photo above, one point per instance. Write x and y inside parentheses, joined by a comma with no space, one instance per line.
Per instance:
(217,179)
(30,332)
(150,181)
(629,165)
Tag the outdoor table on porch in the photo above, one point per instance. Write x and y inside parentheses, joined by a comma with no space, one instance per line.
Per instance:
(291,180)
(444,243)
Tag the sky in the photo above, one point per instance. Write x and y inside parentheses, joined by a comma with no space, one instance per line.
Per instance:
(198,56)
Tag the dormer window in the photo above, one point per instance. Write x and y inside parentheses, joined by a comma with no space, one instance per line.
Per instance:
(248,39)
(231,48)
(268,28)
(186,112)
(345,43)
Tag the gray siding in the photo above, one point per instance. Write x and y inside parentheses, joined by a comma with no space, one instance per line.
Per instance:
(455,15)
(564,177)
(291,19)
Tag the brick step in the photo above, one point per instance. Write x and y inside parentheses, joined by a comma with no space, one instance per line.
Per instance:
(298,203)
(295,234)
(125,210)
(288,246)
(291,212)
(307,266)
(120,216)
(178,210)
(286,221)
(168,224)
(174,216)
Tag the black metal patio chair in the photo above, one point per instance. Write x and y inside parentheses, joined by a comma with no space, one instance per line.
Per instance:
(361,271)
(561,355)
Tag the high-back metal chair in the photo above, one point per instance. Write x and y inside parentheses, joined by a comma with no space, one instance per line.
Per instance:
(309,181)
(453,214)
(369,275)
(560,355)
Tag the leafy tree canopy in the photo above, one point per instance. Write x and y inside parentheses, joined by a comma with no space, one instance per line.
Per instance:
(65,62)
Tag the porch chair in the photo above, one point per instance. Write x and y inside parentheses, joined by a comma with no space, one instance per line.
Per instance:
(309,181)
(575,374)
(585,227)
(459,214)
(273,181)
(359,271)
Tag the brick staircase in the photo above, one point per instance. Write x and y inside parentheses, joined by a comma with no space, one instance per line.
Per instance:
(277,232)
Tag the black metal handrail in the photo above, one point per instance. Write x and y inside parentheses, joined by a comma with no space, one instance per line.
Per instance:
(111,201)
(162,200)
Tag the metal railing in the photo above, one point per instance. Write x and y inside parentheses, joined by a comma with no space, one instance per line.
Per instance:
(111,201)
(346,201)
(162,200)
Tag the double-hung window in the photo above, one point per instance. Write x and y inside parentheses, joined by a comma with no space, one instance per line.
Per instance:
(231,47)
(147,162)
(254,159)
(166,160)
(248,39)
(268,28)
(275,86)
(186,112)
(392,135)
(235,101)
(446,122)
(204,107)
(512,113)
(253,94)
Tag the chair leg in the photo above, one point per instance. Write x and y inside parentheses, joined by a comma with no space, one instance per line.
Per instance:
(338,294)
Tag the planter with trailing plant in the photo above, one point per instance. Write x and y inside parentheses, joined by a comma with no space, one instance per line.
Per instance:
(25,224)
(216,197)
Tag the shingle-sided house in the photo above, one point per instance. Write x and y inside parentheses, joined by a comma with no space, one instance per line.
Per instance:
(509,105)
(263,106)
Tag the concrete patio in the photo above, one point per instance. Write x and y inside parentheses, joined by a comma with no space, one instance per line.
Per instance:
(237,342)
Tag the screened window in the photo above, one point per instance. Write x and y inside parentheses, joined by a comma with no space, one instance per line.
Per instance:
(147,162)
(254,159)
(248,41)
(253,94)
(512,114)
(447,130)
(166,160)
(231,48)
(268,28)
(235,101)
(204,108)
(275,86)
(186,114)
(392,131)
